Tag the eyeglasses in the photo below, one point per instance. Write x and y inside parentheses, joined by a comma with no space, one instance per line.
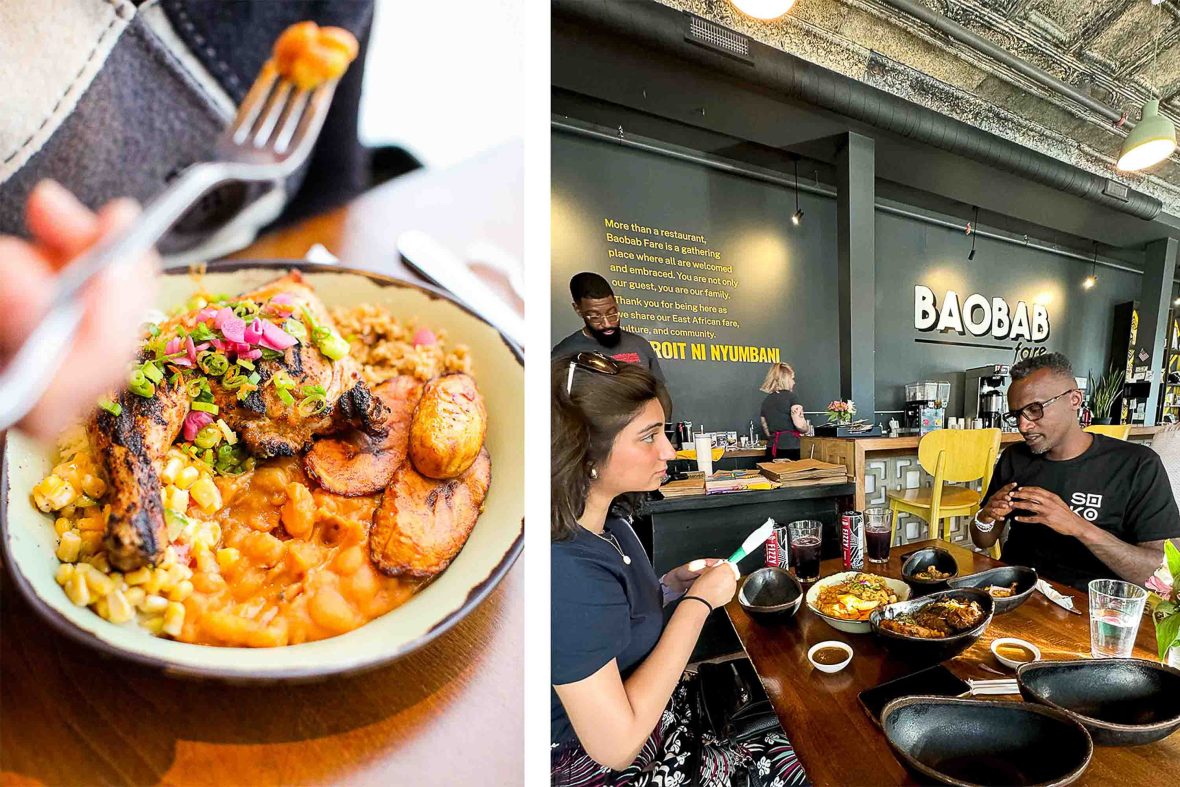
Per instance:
(602,319)
(593,362)
(1033,411)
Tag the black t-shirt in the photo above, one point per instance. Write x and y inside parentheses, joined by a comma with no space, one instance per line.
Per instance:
(600,609)
(776,409)
(632,348)
(1119,486)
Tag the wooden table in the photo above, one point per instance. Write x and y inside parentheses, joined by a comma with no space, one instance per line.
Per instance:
(853,452)
(451,713)
(835,739)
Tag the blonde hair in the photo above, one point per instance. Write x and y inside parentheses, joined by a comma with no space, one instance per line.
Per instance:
(780,377)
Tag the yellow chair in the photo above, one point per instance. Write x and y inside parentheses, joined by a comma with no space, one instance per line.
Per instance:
(949,455)
(1117,431)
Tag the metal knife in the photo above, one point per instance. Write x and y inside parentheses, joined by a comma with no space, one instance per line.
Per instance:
(442,267)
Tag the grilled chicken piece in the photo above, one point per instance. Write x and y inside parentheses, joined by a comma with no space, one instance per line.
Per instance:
(422,524)
(357,464)
(269,427)
(132,446)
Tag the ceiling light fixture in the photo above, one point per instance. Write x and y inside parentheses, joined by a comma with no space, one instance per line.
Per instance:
(798,217)
(1154,138)
(1089,282)
(764,9)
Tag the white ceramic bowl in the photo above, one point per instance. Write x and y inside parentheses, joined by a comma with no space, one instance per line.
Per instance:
(28,538)
(831,643)
(1013,663)
(850,626)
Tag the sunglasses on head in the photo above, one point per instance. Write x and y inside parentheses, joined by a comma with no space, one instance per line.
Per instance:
(593,362)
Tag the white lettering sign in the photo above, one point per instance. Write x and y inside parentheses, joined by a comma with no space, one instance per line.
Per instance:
(979,316)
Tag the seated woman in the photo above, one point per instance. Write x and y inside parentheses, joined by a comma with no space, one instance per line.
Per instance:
(782,416)
(622,711)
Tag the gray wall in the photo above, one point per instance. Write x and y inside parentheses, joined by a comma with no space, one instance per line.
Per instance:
(787,293)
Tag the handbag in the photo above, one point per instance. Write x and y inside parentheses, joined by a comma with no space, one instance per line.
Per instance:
(733,704)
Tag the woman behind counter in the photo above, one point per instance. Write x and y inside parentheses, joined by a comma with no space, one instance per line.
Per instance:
(782,415)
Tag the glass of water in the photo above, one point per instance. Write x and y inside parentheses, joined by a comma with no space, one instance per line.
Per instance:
(1116,607)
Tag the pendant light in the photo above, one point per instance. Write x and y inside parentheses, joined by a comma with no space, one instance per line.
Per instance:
(763,9)
(798,217)
(971,227)
(1089,282)
(1154,138)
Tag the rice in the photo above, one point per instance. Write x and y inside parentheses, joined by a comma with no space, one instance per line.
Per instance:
(384,346)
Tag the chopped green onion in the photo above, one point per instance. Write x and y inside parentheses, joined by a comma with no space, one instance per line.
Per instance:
(234,379)
(269,354)
(285,396)
(114,408)
(208,437)
(230,437)
(254,378)
(152,372)
(242,362)
(213,363)
(205,407)
(313,405)
(140,385)
(333,346)
(313,390)
(321,333)
(202,333)
(296,329)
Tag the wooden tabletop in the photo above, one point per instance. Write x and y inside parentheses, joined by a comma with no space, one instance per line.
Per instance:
(450,713)
(910,442)
(838,743)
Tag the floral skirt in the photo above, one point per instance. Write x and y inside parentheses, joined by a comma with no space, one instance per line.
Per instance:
(681,752)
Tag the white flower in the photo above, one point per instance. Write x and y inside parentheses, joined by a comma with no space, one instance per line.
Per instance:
(763,767)
(676,779)
(777,782)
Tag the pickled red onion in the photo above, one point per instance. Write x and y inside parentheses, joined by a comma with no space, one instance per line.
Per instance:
(194,422)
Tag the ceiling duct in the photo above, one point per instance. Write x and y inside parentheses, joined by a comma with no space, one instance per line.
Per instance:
(671,31)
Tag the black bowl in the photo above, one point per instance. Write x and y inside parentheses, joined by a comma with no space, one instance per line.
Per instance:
(771,592)
(1024,577)
(1122,702)
(919,651)
(973,742)
(914,562)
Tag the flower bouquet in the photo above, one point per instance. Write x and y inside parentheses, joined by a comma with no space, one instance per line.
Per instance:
(1164,587)
(841,412)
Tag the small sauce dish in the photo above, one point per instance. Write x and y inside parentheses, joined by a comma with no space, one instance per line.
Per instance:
(829,656)
(1012,652)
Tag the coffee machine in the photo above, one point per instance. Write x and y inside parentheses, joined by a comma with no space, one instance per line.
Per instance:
(986,394)
(925,406)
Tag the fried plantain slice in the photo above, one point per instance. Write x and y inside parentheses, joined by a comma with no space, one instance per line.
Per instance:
(356,464)
(422,523)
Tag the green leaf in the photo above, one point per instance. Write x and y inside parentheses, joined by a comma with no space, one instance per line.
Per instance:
(1167,634)
(1172,558)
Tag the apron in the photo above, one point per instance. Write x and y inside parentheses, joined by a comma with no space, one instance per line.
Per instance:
(774,443)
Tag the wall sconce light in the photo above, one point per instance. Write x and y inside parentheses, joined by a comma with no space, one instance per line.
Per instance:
(971,227)
(1089,282)
(798,216)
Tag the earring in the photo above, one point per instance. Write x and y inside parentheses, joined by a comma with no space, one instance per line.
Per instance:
(594,472)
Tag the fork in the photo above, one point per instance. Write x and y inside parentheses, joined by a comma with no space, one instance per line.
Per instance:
(272,134)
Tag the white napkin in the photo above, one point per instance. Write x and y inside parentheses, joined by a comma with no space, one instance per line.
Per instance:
(1054,596)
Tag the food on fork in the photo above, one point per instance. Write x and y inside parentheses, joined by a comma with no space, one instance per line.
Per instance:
(310,55)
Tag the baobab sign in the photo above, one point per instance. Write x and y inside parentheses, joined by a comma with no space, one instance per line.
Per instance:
(978,315)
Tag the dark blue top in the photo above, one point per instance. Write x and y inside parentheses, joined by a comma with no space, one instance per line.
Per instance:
(601,609)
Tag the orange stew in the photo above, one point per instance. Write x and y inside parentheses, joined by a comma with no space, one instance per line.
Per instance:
(301,569)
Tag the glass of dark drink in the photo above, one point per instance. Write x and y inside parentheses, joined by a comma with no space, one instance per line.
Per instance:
(878,534)
(806,537)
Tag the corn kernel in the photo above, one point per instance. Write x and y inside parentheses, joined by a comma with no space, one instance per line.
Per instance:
(227,557)
(64,572)
(187,477)
(206,494)
(135,596)
(176,499)
(68,546)
(183,590)
(153,625)
(153,604)
(94,486)
(95,522)
(77,590)
(102,609)
(173,619)
(100,562)
(138,576)
(99,582)
(53,493)
(61,525)
(91,542)
(169,556)
(119,608)
(172,469)
(155,583)
(205,561)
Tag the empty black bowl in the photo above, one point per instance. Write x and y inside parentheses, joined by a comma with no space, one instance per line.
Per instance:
(923,559)
(973,742)
(1122,702)
(1024,577)
(921,651)
(771,592)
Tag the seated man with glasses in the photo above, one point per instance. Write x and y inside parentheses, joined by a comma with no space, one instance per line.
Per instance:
(594,302)
(1077,506)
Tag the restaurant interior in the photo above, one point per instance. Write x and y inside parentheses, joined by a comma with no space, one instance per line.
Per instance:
(902,200)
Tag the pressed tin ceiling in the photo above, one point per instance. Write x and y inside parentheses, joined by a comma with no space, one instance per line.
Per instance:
(1103,48)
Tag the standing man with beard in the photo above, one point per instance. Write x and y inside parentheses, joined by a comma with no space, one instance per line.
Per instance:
(594,302)
(1077,506)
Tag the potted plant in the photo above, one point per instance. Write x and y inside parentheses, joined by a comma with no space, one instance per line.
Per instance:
(1164,588)
(1105,393)
(841,412)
